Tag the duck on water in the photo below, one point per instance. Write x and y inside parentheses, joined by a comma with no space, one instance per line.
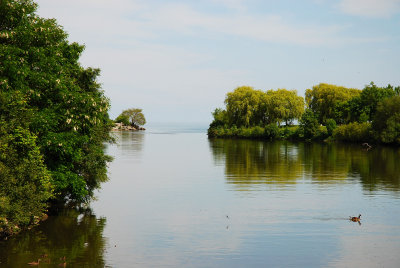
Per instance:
(355,219)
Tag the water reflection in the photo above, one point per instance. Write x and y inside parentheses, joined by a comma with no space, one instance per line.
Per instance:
(168,200)
(75,235)
(248,163)
(130,143)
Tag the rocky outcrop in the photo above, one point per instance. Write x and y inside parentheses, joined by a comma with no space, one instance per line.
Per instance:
(121,126)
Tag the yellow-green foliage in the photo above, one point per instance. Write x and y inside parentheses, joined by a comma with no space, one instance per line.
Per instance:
(323,98)
(243,106)
(353,132)
(284,105)
(351,111)
(247,107)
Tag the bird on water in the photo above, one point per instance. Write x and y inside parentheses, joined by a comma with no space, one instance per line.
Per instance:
(355,219)
(34,263)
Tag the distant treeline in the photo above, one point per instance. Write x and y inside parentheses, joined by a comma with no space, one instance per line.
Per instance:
(327,112)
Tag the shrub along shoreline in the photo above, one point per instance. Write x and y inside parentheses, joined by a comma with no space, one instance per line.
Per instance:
(329,112)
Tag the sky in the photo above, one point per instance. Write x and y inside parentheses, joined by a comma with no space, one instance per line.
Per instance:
(177,59)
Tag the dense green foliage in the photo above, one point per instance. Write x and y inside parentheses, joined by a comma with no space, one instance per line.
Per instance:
(363,107)
(387,120)
(330,126)
(309,125)
(346,114)
(54,117)
(354,132)
(25,181)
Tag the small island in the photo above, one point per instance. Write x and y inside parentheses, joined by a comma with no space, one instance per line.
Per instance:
(130,120)
(327,113)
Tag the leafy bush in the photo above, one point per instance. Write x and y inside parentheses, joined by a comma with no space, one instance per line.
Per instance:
(355,132)
(289,132)
(271,131)
(251,132)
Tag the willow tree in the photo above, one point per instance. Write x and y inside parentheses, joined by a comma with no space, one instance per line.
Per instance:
(324,98)
(243,106)
(65,109)
(284,105)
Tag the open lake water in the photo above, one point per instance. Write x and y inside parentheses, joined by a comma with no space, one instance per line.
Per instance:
(177,199)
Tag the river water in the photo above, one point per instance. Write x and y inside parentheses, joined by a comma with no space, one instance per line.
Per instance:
(177,199)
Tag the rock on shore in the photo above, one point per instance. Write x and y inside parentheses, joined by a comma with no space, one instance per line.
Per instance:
(121,126)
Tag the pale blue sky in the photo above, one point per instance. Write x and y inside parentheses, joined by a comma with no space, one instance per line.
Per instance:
(178,59)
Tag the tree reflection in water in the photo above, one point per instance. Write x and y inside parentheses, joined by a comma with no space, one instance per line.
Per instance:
(76,235)
(282,163)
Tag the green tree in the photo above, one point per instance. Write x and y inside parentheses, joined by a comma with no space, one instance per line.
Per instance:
(370,96)
(64,106)
(349,111)
(309,125)
(323,99)
(284,106)
(135,116)
(248,107)
(362,108)
(243,106)
(386,123)
(220,118)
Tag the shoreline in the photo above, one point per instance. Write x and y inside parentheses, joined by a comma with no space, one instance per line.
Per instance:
(289,133)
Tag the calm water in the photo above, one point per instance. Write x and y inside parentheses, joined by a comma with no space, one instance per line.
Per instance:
(177,199)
